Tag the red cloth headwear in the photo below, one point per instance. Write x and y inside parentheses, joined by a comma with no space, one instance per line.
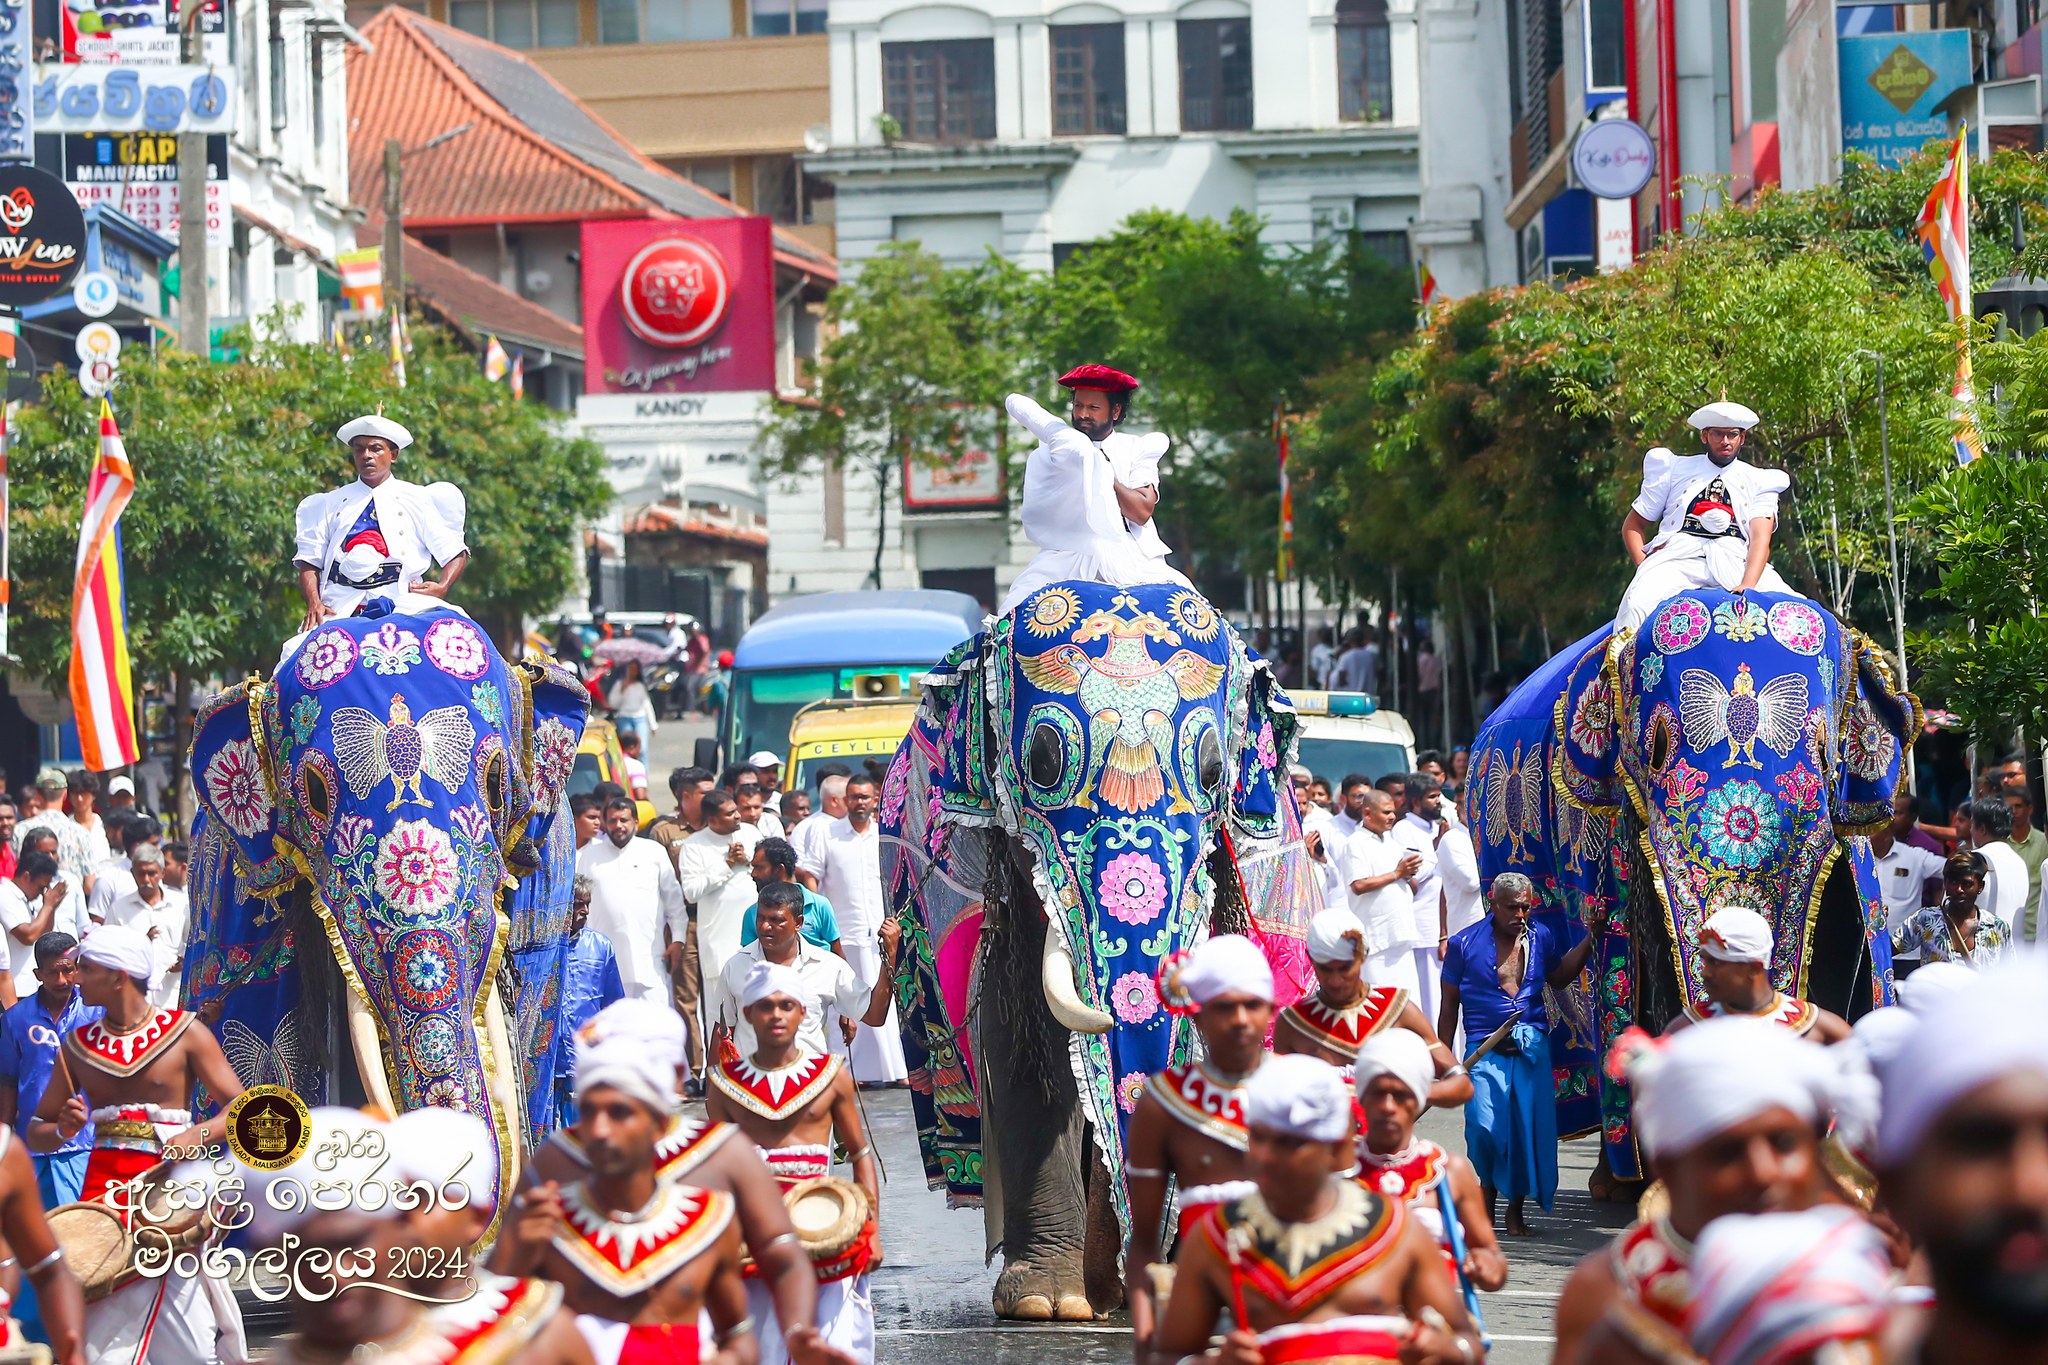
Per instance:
(1099,377)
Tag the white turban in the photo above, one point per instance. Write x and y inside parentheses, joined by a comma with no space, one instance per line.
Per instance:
(651,1024)
(1401,1054)
(1723,414)
(771,978)
(1771,1288)
(1736,933)
(122,947)
(1708,1078)
(1965,1039)
(375,425)
(1303,1097)
(1331,934)
(1226,963)
(625,1064)
(443,1146)
(1934,982)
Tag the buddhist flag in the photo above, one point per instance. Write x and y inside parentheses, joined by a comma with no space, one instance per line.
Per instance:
(1428,286)
(1944,228)
(496,364)
(518,377)
(398,349)
(362,278)
(102,682)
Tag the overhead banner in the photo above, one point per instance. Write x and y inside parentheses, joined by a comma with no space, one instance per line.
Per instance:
(1893,87)
(80,98)
(137,173)
(136,32)
(679,306)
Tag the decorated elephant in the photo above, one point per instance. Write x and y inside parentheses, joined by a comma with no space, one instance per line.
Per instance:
(1734,751)
(377,841)
(1092,786)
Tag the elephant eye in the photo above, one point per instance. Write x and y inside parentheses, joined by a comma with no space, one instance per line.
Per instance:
(1209,761)
(1048,757)
(1660,743)
(319,796)
(494,782)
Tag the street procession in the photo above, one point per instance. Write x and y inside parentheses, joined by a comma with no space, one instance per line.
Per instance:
(846,681)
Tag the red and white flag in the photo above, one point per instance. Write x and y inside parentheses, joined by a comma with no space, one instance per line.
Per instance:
(102,680)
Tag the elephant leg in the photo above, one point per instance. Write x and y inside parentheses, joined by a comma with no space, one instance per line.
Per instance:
(362,1032)
(1044,1138)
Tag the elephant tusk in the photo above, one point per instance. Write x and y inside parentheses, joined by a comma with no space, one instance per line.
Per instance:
(1060,997)
(362,1031)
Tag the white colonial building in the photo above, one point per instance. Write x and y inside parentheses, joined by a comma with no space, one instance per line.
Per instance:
(1029,127)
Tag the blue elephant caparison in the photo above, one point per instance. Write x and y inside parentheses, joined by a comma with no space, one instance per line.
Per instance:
(1090,783)
(1734,751)
(389,790)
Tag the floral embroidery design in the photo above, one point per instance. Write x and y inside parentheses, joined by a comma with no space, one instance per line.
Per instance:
(326,658)
(457,647)
(235,787)
(433,1046)
(1128,1090)
(1651,671)
(1739,822)
(447,1092)
(1798,627)
(305,718)
(484,697)
(1592,725)
(1132,889)
(391,649)
(416,869)
(1680,625)
(1136,998)
(1740,626)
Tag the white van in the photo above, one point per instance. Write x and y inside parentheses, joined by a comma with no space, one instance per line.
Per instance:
(1346,732)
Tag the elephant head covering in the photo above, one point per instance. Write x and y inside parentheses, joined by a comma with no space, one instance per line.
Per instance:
(1736,933)
(650,1024)
(1772,1288)
(445,1148)
(1300,1096)
(1226,964)
(1401,1054)
(625,1064)
(1335,935)
(770,978)
(121,947)
(1963,1040)
(1714,1075)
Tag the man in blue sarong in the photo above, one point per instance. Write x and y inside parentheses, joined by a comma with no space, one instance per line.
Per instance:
(1495,972)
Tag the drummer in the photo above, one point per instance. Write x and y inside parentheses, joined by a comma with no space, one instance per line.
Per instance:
(640,1257)
(791,1102)
(130,1074)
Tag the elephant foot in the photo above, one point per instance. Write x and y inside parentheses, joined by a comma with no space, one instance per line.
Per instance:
(1032,1292)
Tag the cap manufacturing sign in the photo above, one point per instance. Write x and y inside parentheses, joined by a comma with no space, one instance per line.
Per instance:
(679,306)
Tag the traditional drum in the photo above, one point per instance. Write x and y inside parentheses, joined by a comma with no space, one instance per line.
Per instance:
(835,1225)
(100,1248)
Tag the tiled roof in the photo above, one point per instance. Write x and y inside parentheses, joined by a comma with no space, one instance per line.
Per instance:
(535,154)
(480,305)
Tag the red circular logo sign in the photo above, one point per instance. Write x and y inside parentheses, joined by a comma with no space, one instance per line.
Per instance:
(675,291)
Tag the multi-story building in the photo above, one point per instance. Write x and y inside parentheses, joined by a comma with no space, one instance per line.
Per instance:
(727,92)
(1029,127)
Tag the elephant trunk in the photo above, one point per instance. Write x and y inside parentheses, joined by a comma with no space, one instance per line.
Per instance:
(1060,996)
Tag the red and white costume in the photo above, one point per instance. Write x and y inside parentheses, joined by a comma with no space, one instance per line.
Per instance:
(1419,1176)
(1784,1010)
(625,1258)
(1653,1266)
(680,1150)
(846,1313)
(1196,1097)
(491,1326)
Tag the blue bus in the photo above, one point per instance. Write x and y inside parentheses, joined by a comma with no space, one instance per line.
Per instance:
(864,645)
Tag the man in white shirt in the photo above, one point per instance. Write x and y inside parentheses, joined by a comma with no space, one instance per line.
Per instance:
(715,867)
(1350,818)
(379,535)
(633,896)
(2005,890)
(844,865)
(116,878)
(1381,876)
(1457,864)
(1712,514)
(1358,667)
(28,907)
(829,981)
(1319,831)
(160,915)
(831,806)
(1902,873)
(1322,657)
(1090,490)
(1417,833)
(69,897)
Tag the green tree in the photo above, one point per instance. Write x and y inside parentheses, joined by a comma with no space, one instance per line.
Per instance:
(222,456)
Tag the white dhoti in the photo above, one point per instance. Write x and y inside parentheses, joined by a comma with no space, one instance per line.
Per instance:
(1686,563)
(846,1319)
(1429,969)
(877,1053)
(1071,513)
(1394,967)
(176,1320)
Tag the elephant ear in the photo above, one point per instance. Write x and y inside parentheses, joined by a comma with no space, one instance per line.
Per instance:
(237,787)
(954,718)
(549,712)
(1262,747)
(1879,723)
(1587,729)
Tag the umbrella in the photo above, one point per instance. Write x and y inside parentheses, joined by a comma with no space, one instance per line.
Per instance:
(627,650)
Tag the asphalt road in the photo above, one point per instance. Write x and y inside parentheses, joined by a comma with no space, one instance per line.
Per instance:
(932,1296)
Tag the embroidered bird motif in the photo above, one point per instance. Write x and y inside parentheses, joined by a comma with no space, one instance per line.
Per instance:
(1714,713)
(281,1061)
(1514,803)
(1132,699)
(372,751)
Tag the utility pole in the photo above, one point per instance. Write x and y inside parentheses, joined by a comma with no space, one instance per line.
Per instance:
(394,224)
(194,333)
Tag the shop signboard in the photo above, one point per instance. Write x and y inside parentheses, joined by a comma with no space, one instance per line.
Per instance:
(1893,86)
(679,306)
